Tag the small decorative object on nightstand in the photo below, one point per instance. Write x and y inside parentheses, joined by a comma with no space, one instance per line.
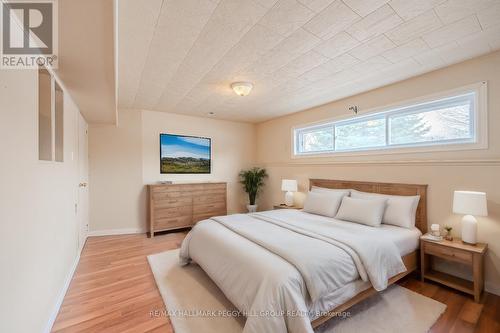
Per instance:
(457,251)
(289,186)
(448,235)
(283,206)
(435,230)
(469,203)
(434,235)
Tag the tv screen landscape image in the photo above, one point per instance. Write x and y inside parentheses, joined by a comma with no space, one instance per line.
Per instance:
(184,154)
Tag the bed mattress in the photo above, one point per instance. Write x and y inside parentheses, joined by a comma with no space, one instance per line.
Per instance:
(289,259)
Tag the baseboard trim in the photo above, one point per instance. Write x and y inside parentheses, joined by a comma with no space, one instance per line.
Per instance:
(62,293)
(492,288)
(112,232)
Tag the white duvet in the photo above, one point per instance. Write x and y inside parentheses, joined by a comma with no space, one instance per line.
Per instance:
(273,265)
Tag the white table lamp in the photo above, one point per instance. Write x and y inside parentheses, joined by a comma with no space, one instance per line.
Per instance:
(469,203)
(289,186)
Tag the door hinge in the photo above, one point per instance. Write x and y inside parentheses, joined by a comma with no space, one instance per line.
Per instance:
(76,209)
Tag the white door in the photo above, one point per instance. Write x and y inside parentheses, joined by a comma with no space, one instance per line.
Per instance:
(83,188)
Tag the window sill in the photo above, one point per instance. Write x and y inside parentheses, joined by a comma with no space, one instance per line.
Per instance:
(397,150)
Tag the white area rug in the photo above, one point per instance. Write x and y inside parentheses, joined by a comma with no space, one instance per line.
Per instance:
(192,298)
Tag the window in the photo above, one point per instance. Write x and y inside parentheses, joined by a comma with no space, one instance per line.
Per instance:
(317,139)
(44,116)
(364,133)
(59,123)
(50,118)
(447,121)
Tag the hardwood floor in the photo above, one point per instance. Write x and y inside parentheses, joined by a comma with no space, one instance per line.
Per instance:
(113,290)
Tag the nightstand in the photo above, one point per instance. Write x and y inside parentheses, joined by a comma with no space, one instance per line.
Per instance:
(456,251)
(283,206)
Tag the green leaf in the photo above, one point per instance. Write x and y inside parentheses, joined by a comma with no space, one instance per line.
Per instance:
(252,181)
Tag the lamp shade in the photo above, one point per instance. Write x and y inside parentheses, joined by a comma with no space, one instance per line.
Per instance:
(470,203)
(289,185)
(242,88)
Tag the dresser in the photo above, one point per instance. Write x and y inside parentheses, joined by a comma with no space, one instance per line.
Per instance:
(176,206)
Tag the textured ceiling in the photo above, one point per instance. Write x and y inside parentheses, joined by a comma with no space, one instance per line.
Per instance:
(182,55)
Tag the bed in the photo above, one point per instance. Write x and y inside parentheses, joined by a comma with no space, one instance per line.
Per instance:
(290,271)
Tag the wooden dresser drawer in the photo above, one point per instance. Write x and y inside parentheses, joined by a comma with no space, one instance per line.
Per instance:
(209,208)
(173,202)
(173,206)
(188,187)
(208,199)
(448,253)
(174,212)
(209,192)
(166,189)
(171,195)
(172,223)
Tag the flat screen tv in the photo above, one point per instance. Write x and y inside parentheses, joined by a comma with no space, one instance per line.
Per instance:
(185,154)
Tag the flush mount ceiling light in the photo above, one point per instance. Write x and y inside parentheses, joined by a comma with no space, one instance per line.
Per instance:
(242,88)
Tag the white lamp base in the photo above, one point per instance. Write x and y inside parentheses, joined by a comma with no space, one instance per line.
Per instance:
(469,229)
(289,199)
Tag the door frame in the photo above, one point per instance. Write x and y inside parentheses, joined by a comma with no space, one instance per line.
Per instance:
(82,186)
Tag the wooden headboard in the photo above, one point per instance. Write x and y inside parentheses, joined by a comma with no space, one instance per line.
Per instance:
(383,188)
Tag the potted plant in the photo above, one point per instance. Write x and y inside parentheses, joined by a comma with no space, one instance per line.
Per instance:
(252,180)
(448,233)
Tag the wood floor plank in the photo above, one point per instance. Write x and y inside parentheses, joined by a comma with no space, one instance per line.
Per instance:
(471,311)
(489,321)
(167,328)
(113,290)
(454,302)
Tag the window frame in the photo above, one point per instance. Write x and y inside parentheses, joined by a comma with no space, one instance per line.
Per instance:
(59,118)
(53,82)
(479,126)
(50,115)
(316,128)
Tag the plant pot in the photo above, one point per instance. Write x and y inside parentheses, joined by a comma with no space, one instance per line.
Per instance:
(252,208)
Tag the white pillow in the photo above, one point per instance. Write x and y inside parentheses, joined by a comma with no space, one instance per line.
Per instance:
(400,211)
(335,190)
(364,211)
(323,203)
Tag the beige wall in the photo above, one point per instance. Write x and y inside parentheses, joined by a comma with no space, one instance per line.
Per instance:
(443,171)
(233,149)
(38,225)
(115,175)
(125,158)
